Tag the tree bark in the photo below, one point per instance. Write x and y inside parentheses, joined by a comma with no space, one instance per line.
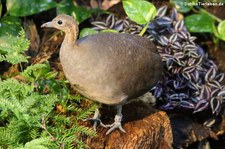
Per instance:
(151,130)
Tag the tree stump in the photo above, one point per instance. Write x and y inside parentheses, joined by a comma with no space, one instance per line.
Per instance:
(146,128)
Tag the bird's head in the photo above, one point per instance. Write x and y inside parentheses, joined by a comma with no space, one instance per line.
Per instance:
(62,22)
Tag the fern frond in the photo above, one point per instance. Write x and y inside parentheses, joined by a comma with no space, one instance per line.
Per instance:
(13,105)
(5,137)
(34,72)
(85,113)
(12,49)
(12,89)
(39,143)
(84,130)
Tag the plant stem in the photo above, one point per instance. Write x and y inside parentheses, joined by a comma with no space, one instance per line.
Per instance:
(0,8)
(143,30)
(210,14)
(21,67)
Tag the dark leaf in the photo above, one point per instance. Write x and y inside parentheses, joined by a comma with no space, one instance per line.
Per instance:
(126,23)
(158,92)
(191,62)
(205,92)
(179,62)
(215,105)
(182,35)
(164,21)
(201,105)
(151,25)
(195,99)
(168,50)
(191,53)
(110,21)
(215,92)
(161,11)
(189,47)
(219,77)
(193,85)
(179,55)
(211,64)
(199,61)
(169,63)
(214,84)
(186,76)
(192,38)
(99,25)
(200,51)
(178,97)
(176,70)
(175,97)
(211,74)
(119,25)
(209,123)
(173,38)
(164,40)
(196,76)
(179,25)
(221,93)
(176,45)
(189,69)
(187,104)
(169,106)
(174,15)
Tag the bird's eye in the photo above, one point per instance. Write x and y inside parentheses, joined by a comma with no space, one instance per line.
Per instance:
(60,22)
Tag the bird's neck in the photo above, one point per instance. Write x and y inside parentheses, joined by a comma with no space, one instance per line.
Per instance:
(71,36)
(68,47)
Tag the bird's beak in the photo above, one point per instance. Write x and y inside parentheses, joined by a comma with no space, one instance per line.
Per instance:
(47,24)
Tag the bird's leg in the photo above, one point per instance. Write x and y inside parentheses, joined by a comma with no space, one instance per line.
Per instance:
(96,119)
(117,121)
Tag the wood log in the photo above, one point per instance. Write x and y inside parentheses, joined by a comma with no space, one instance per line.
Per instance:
(146,128)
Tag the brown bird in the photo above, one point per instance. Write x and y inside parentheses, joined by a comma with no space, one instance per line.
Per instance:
(110,68)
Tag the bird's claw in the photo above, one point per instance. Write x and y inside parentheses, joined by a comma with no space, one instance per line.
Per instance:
(95,121)
(115,125)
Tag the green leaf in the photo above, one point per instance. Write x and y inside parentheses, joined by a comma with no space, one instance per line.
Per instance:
(70,8)
(51,75)
(183,6)
(139,11)
(0,8)
(28,7)
(199,23)
(10,25)
(109,31)
(221,30)
(87,31)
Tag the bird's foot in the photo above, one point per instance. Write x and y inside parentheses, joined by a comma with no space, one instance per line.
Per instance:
(116,124)
(95,119)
